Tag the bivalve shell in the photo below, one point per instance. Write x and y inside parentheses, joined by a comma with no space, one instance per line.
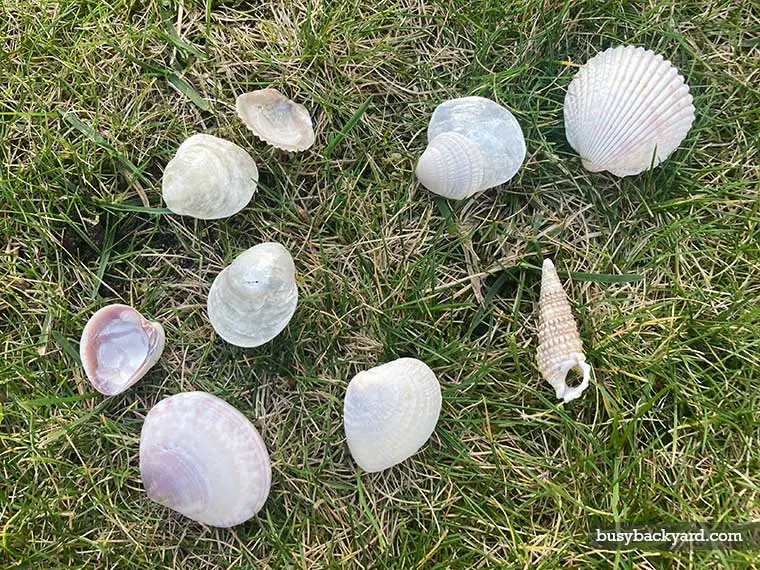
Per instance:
(627,110)
(390,411)
(118,347)
(202,458)
(209,178)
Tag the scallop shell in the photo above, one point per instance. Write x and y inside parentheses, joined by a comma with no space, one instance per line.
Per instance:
(202,458)
(474,144)
(626,110)
(560,348)
(118,347)
(389,412)
(209,178)
(276,120)
(252,300)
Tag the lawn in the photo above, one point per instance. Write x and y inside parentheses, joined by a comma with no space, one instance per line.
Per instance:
(662,269)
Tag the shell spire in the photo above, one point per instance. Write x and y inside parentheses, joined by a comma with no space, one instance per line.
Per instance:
(560,348)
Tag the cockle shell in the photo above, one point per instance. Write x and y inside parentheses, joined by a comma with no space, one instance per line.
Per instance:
(473,144)
(252,300)
(203,458)
(276,120)
(118,347)
(209,178)
(390,411)
(626,110)
(560,348)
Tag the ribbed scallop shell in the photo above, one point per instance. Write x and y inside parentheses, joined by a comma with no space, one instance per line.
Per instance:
(626,110)
(390,411)
(118,347)
(560,348)
(276,120)
(202,458)
(252,300)
(209,178)
(473,144)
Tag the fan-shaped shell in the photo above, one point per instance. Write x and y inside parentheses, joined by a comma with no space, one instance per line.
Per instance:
(390,411)
(560,349)
(626,110)
(252,300)
(201,457)
(276,120)
(209,178)
(473,144)
(118,347)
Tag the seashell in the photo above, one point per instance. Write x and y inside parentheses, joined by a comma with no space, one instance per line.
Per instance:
(118,347)
(560,348)
(626,110)
(389,412)
(209,178)
(473,144)
(252,300)
(275,119)
(202,458)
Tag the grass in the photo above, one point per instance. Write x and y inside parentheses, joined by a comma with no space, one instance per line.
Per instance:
(96,96)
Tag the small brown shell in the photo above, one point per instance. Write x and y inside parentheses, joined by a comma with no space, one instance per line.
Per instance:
(560,348)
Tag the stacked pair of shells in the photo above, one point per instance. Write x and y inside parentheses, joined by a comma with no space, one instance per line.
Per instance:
(473,144)
(211,178)
(389,412)
(627,110)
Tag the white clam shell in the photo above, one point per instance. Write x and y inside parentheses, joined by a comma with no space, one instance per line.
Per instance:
(560,348)
(209,178)
(118,347)
(276,120)
(473,144)
(252,300)
(626,110)
(201,457)
(390,411)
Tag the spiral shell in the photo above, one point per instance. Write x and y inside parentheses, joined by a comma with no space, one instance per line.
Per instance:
(118,347)
(560,348)
(276,120)
(252,300)
(473,144)
(202,458)
(390,411)
(209,178)
(626,110)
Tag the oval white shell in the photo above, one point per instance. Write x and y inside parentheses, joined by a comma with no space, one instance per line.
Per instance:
(390,411)
(560,348)
(201,457)
(473,144)
(275,119)
(626,110)
(118,347)
(209,178)
(252,300)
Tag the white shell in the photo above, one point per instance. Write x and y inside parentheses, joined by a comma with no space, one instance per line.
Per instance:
(560,348)
(276,120)
(473,144)
(252,300)
(209,178)
(118,347)
(203,458)
(627,109)
(389,412)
